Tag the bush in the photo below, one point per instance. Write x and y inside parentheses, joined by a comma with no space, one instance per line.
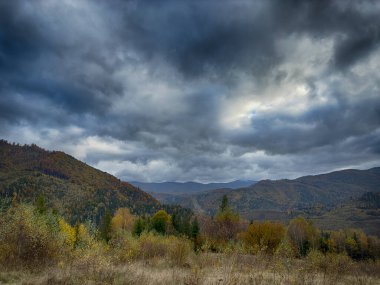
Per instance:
(30,239)
(151,245)
(331,264)
(176,249)
(91,260)
(180,250)
(125,246)
(374,247)
(265,236)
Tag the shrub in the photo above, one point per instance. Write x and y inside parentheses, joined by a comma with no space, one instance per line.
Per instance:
(125,247)
(152,245)
(30,239)
(179,250)
(176,249)
(84,239)
(91,260)
(374,247)
(331,264)
(264,236)
(316,261)
(285,250)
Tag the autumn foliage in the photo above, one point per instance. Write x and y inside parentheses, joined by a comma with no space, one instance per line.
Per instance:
(35,236)
(264,236)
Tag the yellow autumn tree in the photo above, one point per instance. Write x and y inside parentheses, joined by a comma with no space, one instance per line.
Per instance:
(160,222)
(122,220)
(68,232)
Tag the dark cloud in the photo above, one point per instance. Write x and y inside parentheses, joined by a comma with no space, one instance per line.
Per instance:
(194,90)
(205,38)
(321,126)
(352,49)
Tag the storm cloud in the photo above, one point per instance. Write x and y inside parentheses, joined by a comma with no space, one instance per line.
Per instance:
(194,90)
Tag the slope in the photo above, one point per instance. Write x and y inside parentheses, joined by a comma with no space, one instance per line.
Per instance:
(269,199)
(73,188)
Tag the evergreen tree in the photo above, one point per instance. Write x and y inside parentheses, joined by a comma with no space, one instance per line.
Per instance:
(194,228)
(105,226)
(41,205)
(224,205)
(227,221)
(76,229)
(176,222)
(138,227)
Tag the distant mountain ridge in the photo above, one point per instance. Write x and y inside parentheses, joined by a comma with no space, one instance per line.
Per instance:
(189,187)
(284,199)
(75,189)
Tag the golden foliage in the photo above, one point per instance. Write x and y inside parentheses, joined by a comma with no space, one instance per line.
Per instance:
(265,236)
(160,221)
(29,239)
(122,220)
(68,232)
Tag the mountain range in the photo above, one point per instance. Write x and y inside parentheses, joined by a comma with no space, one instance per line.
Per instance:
(189,187)
(332,200)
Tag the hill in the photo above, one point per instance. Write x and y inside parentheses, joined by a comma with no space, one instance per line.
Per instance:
(189,187)
(284,199)
(75,189)
(362,212)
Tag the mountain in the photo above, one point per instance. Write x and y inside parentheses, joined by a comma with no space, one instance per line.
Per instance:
(362,212)
(284,199)
(75,189)
(189,187)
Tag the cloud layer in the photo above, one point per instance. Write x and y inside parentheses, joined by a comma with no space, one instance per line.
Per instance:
(194,90)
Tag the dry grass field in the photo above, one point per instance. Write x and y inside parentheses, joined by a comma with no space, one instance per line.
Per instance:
(205,268)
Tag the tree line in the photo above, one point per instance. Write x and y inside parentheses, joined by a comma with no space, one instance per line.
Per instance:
(31,234)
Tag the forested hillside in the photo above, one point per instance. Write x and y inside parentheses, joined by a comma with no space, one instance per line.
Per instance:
(73,188)
(322,198)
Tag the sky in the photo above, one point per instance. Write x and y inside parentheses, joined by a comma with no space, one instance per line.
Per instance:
(207,91)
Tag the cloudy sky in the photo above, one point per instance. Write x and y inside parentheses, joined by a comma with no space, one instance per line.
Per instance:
(210,90)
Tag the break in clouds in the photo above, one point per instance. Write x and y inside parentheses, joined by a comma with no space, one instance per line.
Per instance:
(194,90)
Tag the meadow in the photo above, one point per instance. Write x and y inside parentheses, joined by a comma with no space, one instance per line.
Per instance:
(37,246)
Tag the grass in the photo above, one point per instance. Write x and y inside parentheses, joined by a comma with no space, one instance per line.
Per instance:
(204,268)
